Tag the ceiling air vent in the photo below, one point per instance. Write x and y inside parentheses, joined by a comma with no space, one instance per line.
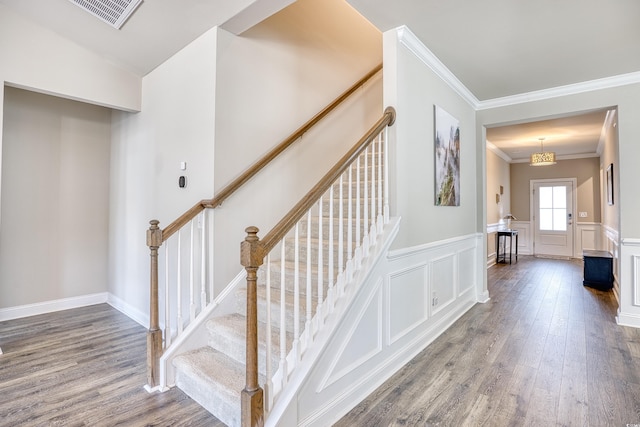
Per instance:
(113,12)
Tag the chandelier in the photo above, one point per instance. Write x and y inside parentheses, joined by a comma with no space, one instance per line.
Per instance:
(543,158)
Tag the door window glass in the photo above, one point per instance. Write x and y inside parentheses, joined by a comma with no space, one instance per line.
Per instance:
(553,208)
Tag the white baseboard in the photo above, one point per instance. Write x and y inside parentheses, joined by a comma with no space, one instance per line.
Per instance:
(51,306)
(128,310)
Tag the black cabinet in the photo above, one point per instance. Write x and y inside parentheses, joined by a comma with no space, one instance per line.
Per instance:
(598,269)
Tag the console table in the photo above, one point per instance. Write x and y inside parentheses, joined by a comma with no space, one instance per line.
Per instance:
(598,269)
(502,235)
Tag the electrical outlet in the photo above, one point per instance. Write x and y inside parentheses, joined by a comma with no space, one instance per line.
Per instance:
(583,214)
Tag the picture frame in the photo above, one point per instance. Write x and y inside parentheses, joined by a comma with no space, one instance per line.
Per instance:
(447,158)
(610,186)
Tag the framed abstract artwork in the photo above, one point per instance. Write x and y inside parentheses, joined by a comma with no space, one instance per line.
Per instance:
(447,158)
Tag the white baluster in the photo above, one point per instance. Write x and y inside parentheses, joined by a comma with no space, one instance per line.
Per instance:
(268,388)
(358,253)
(167,298)
(320,306)
(349,269)
(386,175)
(296,295)
(365,201)
(309,302)
(341,240)
(203,261)
(179,285)
(283,323)
(380,218)
(373,232)
(192,285)
(330,292)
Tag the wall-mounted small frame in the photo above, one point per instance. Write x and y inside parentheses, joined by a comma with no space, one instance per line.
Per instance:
(610,184)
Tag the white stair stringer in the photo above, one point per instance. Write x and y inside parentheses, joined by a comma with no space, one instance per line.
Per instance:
(287,396)
(214,374)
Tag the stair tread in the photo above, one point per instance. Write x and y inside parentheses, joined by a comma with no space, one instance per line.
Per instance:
(221,371)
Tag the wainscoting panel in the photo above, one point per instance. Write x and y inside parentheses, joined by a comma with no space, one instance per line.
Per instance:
(629,287)
(525,237)
(421,291)
(408,301)
(587,237)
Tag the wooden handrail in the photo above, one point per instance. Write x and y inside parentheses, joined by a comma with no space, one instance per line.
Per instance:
(261,163)
(295,214)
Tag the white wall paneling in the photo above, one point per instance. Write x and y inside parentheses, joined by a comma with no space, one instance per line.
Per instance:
(412,296)
(629,286)
(525,236)
(587,237)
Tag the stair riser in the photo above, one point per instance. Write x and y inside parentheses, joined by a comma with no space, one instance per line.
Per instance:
(275,312)
(235,347)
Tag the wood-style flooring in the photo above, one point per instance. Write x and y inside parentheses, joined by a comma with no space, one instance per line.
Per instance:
(84,367)
(544,351)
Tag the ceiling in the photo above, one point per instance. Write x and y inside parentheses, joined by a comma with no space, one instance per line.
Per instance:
(496,48)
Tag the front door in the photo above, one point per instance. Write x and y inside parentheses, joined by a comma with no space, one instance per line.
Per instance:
(553,218)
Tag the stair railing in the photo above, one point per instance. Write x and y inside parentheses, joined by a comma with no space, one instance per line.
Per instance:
(195,243)
(352,222)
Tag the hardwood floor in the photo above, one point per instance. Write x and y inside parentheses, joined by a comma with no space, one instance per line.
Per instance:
(543,351)
(84,367)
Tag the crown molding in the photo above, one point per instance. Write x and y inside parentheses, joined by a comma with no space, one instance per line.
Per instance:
(555,92)
(413,43)
(408,39)
(498,152)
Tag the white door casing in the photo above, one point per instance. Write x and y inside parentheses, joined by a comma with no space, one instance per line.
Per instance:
(552,212)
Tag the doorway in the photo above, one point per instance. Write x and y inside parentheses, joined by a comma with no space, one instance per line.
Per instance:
(552,205)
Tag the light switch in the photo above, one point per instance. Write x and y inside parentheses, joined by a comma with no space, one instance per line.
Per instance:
(183,166)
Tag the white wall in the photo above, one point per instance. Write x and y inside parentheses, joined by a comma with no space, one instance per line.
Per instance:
(39,60)
(176,124)
(270,81)
(414,89)
(55,193)
(221,103)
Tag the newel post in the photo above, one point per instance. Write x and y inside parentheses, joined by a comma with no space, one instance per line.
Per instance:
(251,257)
(154,334)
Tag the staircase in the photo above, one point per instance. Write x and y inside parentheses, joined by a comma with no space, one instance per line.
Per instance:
(323,248)
(239,353)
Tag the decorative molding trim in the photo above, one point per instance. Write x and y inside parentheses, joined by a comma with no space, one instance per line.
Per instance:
(572,89)
(498,152)
(628,320)
(128,310)
(635,280)
(415,45)
(425,269)
(44,307)
(496,226)
(405,252)
(630,242)
(332,375)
